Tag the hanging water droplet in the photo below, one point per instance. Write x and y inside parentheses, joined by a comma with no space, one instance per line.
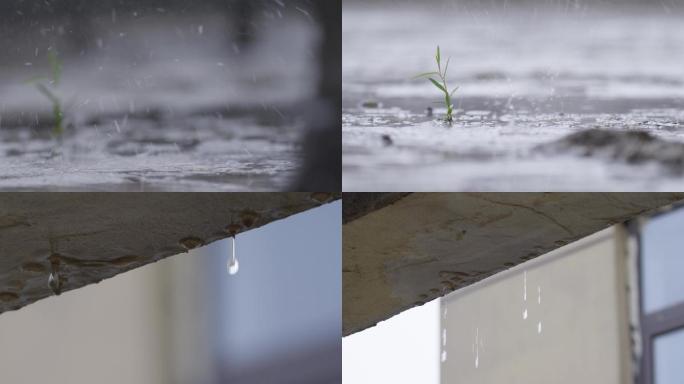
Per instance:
(54,280)
(233,265)
(55,284)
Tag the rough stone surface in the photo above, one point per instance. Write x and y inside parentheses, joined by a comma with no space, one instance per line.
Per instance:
(426,245)
(93,236)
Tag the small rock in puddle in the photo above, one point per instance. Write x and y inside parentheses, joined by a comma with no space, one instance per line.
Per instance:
(387,140)
(371,104)
(633,147)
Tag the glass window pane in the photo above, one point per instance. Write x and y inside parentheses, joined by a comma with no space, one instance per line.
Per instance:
(663,261)
(667,360)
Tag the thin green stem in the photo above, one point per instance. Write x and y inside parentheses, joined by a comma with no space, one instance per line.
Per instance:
(447,97)
(442,84)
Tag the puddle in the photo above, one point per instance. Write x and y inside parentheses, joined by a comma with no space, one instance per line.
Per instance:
(156,99)
(519,91)
(183,153)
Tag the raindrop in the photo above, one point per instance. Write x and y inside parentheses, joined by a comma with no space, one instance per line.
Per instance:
(539,327)
(305,13)
(444,356)
(444,337)
(233,264)
(525,314)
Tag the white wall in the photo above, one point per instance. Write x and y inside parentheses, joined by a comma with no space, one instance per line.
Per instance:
(576,333)
(106,333)
(582,312)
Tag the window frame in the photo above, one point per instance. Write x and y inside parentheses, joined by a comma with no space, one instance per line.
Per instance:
(655,324)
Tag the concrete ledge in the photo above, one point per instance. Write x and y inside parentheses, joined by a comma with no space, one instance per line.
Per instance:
(425,245)
(357,205)
(99,235)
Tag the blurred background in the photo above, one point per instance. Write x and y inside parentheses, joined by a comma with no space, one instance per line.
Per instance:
(184,319)
(556,95)
(203,95)
(608,308)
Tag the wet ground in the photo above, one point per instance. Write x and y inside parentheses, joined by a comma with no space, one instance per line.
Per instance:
(157,102)
(217,151)
(530,79)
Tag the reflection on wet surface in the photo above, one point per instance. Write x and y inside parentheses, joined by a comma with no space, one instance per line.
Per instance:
(156,99)
(528,78)
(209,152)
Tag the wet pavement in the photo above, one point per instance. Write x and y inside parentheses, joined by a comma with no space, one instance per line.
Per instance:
(128,153)
(158,102)
(527,77)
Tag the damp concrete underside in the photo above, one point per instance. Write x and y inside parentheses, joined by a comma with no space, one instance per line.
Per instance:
(402,250)
(96,236)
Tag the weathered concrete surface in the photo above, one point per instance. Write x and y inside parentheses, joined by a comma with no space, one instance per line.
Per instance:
(425,245)
(357,205)
(98,235)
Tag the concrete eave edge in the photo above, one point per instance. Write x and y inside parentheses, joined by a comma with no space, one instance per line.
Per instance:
(99,235)
(425,245)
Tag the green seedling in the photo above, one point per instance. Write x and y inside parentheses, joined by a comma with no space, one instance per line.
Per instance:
(47,86)
(441,84)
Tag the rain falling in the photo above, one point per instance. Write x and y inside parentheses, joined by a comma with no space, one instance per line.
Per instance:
(169,95)
(526,95)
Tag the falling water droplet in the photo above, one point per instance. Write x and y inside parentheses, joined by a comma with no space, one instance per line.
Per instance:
(538,294)
(444,337)
(477,347)
(444,356)
(233,264)
(539,327)
(525,314)
(525,286)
